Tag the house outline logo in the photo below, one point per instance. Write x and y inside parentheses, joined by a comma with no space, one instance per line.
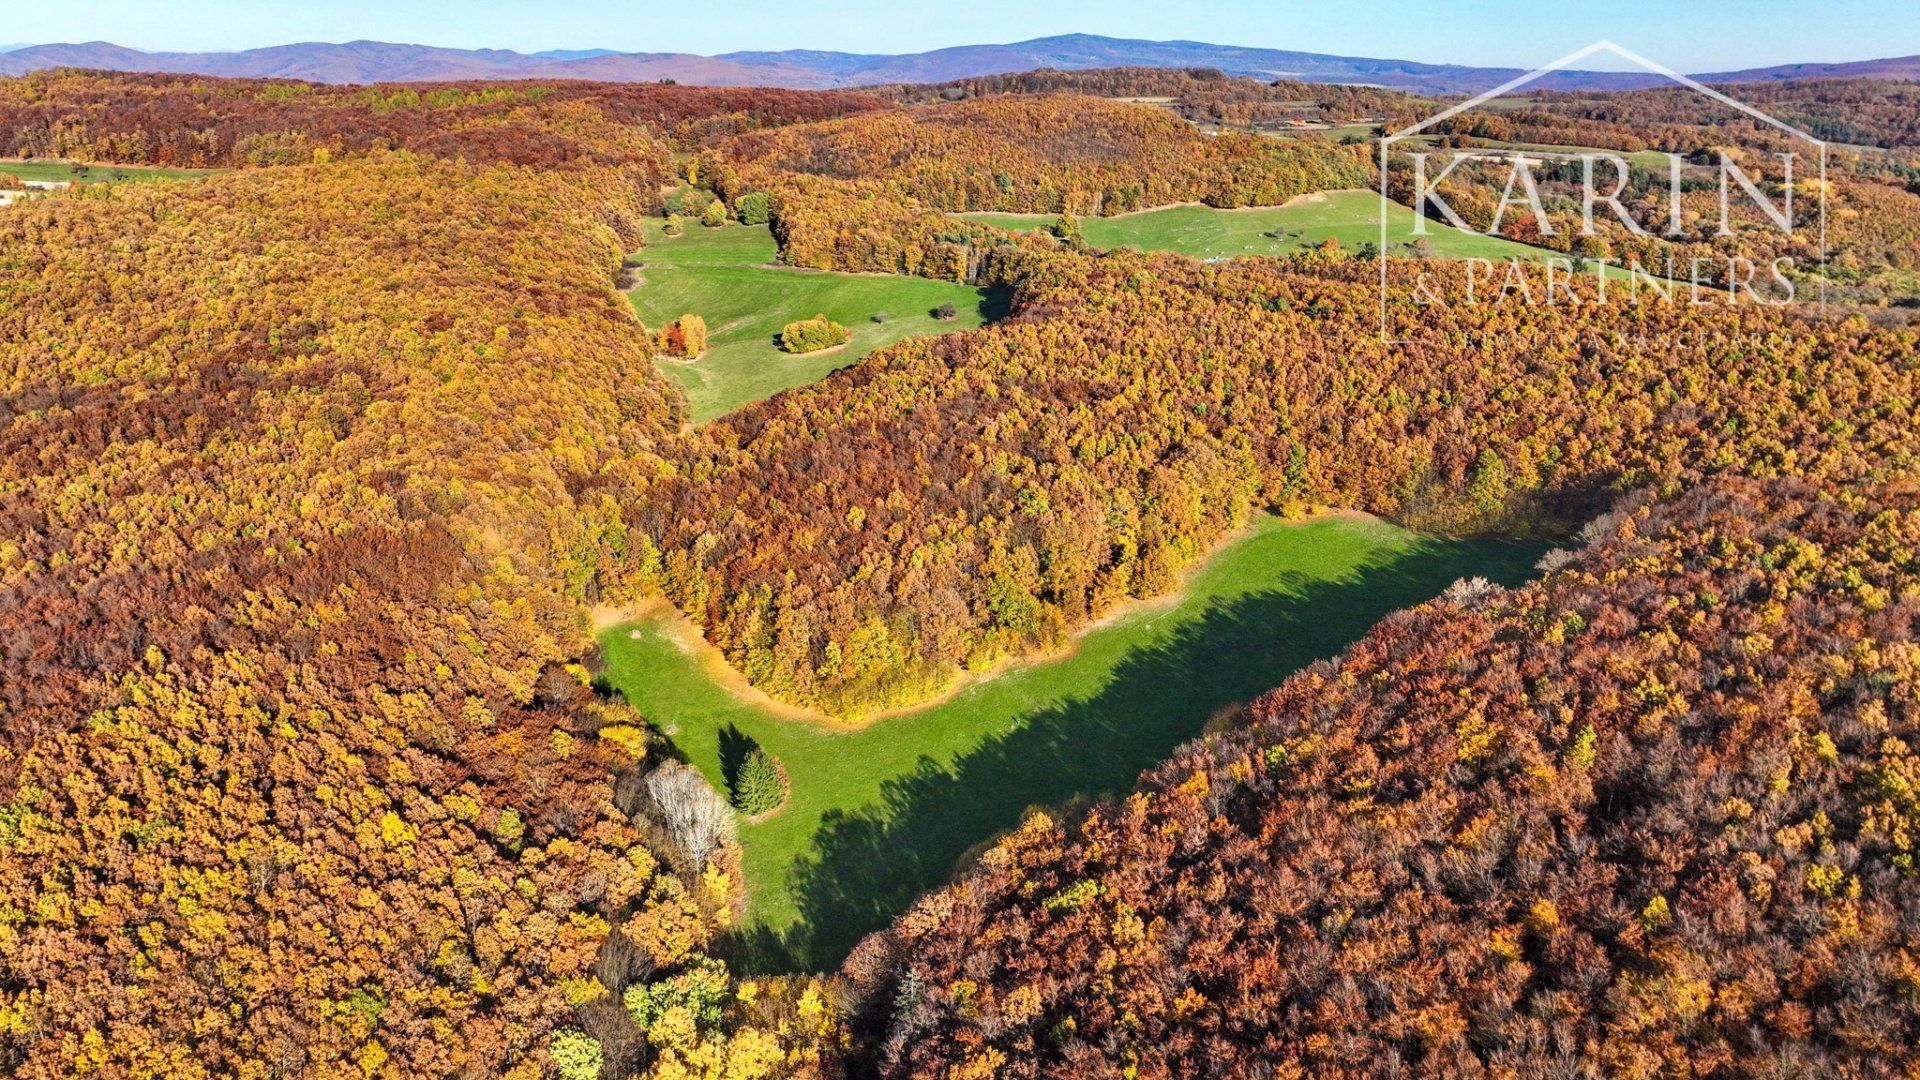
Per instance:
(1601,46)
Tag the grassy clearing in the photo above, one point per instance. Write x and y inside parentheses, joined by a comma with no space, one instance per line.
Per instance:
(1340,131)
(1350,217)
(1650,159)
(880,814)
(96,174)
(727,276)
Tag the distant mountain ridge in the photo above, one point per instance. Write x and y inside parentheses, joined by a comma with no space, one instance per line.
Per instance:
(377,61)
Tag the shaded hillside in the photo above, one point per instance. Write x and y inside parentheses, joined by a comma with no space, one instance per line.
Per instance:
(1653,816)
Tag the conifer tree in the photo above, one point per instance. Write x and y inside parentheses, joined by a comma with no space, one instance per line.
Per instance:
(760,786)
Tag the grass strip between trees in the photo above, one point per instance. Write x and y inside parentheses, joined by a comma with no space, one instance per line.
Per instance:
(879,814)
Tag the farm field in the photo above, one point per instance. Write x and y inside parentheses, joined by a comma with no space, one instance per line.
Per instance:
(728,277)
(1337,132)
(1350,217)
(881,813)
(95,174)
(1651,159)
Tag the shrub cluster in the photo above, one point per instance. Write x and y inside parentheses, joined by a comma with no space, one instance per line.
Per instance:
(685,338)
(813,335)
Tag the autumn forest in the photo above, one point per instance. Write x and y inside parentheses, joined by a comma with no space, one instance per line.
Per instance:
(332,458)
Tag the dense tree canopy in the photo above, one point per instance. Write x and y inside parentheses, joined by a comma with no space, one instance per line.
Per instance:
(310,474)
(1203,95)
(855,543)
(304,481)
(189,120)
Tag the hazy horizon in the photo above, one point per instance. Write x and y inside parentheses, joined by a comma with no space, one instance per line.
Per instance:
(1691,35)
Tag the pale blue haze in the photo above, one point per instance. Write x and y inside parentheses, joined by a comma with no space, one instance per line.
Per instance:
(1693,35)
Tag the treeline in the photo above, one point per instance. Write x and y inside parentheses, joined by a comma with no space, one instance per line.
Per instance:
(1202,95)
(864,226)
(873,192)
(1045,155)
(856,543)
(194,121)
(1652,816)
(1869,112)
(305,474)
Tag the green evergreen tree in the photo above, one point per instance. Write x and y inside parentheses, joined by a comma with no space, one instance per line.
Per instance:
(760,785)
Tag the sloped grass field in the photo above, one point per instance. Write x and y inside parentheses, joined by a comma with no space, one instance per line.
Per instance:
(882,813)
(1350,217)
(59,171)
(728,276)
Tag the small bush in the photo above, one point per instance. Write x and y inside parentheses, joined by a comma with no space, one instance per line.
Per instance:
(812,335)
(946,312)
(880,316)
(753,208)
(760,785)
(715,215)
(684,337)
(688,201)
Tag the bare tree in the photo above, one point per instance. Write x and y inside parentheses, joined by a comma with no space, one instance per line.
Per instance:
(697,820)
(1470,592)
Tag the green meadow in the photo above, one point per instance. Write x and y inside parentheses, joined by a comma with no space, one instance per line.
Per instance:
(1647,159)
(729,278)
(95,174)
(881,813)
(1351,218)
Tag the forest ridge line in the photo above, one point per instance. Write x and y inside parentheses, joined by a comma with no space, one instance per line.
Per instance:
(377,61)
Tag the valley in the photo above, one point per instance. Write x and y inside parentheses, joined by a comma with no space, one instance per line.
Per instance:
(1349,219)
(593,580)
(883,811)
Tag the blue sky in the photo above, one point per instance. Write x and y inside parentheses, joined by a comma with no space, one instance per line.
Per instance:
(1693,35)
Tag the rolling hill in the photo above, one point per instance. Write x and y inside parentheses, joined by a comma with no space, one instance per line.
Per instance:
(374,61)
(378,61)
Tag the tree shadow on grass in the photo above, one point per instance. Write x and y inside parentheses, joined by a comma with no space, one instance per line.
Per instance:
(735,745)
(869,866)
(996,303)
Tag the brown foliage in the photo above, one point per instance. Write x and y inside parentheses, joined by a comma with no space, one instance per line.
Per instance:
(1652,816)
(299,503)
